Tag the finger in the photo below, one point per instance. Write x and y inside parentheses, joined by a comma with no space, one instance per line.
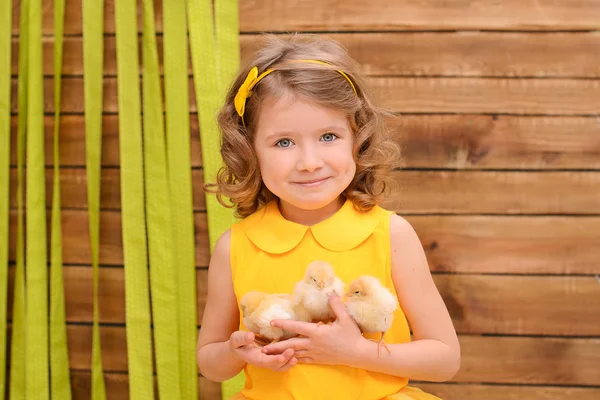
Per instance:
(299,327)
(291,362)
(280,347)
(339,308)
(241,338)
(301,353)
(280,360)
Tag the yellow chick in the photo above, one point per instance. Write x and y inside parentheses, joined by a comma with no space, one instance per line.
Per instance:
(311,294)
(372,306)
(259,309)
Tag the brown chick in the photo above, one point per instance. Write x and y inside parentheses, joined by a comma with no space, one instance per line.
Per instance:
(259,309)
(311,294)
(372,306)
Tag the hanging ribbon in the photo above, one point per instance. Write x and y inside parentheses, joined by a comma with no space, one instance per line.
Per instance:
(93,61)
(180,180)
(5,48)
(36,338)
(164,287)
(215,59)
(17,358)
(60,382)
(137,304)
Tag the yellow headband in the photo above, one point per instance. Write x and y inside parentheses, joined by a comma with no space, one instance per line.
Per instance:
(245,90)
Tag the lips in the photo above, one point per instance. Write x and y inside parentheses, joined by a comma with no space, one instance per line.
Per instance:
(312,182)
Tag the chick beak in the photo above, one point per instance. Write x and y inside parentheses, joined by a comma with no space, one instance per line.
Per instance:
(321,285)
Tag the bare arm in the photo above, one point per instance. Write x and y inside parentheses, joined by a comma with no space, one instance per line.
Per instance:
(434,355)
(221,317)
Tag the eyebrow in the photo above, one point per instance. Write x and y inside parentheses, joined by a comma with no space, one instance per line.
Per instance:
(334,128)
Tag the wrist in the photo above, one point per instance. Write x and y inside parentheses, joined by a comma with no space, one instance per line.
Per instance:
(356,359)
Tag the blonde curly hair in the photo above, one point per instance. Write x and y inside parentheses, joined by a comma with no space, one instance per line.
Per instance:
(375,153)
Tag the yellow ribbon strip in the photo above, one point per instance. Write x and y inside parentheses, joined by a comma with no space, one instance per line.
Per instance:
(93,61)
(215,59)
(5,48)
(163,274)
(137,304)
(36,347)
(60,382)
(180,179)
(17,358)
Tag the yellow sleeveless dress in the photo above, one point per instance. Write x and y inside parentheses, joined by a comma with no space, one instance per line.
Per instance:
(269,253)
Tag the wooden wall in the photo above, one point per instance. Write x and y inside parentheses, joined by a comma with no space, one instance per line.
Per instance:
(500,125)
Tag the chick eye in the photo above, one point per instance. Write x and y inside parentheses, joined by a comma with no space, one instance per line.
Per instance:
(283,143)
(329,137)
(357,292)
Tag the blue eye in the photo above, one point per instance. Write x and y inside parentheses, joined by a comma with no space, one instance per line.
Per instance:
(329,137)
(284,143)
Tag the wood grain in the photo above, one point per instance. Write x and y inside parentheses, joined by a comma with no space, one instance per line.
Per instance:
(356,15)
(557,54)
(428,141)
(410,95)
(473,244)
(505,392)
(417,192)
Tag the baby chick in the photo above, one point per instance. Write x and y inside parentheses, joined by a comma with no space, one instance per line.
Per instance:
(311,294)
(372,306)
(259,309)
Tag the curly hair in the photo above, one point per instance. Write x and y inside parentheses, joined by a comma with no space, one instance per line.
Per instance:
(375,152)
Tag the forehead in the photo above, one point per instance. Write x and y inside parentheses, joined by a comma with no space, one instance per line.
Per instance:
(294,114)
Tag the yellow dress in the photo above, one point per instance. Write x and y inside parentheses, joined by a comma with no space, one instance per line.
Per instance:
(269,253)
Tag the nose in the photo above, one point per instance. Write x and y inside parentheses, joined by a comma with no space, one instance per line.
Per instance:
(310,159)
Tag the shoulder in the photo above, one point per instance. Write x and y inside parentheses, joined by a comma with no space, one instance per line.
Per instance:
(221,251)
(406,247)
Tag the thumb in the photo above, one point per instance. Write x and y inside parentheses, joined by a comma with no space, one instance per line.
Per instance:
(339,308)
(241,338)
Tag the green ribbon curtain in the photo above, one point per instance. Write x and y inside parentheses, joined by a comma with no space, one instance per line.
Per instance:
(93,61)
(60,381)
(5,48)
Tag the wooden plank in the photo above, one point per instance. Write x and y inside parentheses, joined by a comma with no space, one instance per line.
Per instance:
(117,386)
(464,391)
(428,141)
(505,192)
(507,305)
(530,360)
(411,95)
(505,360)
(111,293)
(357,15)
(507,244)
(472,244)
(556,54)
(522,305)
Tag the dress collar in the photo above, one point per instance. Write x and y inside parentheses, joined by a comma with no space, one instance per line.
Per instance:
(343,231)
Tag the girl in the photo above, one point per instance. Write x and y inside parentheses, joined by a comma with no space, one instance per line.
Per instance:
(307,160)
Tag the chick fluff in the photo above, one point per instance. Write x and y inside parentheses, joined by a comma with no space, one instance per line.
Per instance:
(372,306)
(311,294)
(259,309)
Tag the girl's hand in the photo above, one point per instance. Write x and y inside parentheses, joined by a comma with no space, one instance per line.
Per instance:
(241,344)
(322,344)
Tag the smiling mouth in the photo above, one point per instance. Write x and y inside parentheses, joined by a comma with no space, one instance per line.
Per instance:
(311,183)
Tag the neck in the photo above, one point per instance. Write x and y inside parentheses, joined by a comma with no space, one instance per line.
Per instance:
(309,217)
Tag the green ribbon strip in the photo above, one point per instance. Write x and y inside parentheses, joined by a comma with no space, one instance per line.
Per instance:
(180,179)
(5,48)
(60,382)
(137,304)
(164,286)
(215,60)
(93,61)
(36,338)
(17,359)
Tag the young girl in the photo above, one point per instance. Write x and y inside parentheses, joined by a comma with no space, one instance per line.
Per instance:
(307,160)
